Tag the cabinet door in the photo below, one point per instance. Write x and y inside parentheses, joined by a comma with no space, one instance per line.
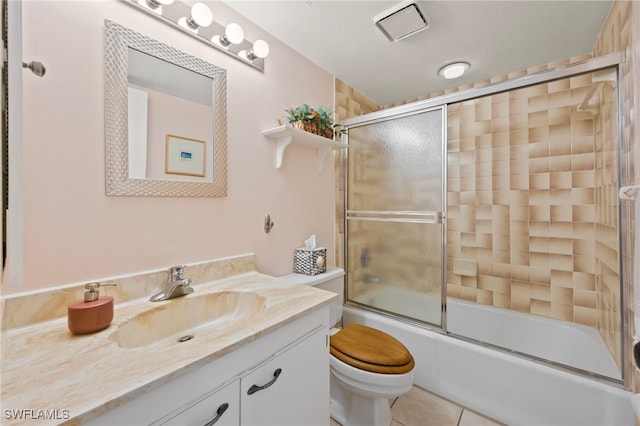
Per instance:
(290,389)
(221,408)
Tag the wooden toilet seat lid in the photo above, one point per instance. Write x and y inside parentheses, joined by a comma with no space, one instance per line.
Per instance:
(372,350)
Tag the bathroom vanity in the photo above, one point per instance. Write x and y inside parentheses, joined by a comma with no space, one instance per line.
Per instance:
(287,369)
(264,363)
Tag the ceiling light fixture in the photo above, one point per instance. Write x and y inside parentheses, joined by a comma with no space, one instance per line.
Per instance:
(401,21)
(453,70)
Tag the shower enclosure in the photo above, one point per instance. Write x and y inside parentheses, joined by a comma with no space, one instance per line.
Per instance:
(492,215)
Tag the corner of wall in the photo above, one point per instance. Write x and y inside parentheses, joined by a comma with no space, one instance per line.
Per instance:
(348,103)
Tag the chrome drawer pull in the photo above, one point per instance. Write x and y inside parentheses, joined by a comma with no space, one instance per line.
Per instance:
(219,413)
(255,388)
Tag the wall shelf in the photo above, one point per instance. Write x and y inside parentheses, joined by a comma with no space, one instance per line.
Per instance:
(285,135)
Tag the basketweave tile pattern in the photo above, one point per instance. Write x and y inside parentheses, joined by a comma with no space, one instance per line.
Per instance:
(532,188)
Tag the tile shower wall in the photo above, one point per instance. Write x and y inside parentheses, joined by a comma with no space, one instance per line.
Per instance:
(349,103)
(532,199)
(608,244)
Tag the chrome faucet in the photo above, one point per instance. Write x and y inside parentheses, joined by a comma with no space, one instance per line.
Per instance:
(177,286)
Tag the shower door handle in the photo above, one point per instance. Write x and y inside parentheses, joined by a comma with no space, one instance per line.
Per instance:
(398,216)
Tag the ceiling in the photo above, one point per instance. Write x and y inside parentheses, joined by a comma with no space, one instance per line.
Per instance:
(495,37)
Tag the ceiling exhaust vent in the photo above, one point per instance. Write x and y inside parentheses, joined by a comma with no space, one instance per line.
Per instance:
(401,21)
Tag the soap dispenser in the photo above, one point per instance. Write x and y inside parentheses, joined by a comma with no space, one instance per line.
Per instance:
(92,314)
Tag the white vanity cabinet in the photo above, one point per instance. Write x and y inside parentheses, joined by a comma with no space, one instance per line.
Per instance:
(287,389)
(290,389)
(299,395)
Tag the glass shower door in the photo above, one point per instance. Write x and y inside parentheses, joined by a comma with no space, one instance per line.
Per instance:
(395,213)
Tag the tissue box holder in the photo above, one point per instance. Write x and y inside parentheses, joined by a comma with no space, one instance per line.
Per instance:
(306,261)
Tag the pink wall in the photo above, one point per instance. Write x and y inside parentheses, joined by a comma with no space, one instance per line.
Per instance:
(74,233)
(174,116)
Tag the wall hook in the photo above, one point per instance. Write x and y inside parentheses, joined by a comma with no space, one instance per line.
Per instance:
(268,224)
(36,67)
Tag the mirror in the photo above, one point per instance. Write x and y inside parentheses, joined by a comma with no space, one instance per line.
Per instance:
(165,119)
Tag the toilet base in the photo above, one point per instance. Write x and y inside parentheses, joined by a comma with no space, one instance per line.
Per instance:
(338,401)
(350,409)
(368,413)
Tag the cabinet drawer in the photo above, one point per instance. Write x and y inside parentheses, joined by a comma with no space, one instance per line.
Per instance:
(221,408)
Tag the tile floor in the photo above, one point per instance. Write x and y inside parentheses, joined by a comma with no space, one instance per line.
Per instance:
(422,408)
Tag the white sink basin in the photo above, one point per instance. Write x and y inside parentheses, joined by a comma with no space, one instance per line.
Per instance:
(184,318)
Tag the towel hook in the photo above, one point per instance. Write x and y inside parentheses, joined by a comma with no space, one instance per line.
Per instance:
(36,67)
(268,224)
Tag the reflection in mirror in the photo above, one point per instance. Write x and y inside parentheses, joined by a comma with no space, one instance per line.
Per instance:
(165,99)
(165,115)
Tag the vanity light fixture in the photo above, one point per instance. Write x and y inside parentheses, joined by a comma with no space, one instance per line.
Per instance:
(201,16)
(453,70)
(155,5)
(198,22)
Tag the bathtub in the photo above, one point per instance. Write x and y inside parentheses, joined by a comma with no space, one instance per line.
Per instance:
(506,387)
(566,343)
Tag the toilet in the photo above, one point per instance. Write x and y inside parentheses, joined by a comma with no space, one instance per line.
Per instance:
(369,368)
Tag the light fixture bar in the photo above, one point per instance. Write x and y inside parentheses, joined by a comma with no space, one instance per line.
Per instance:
(172,13)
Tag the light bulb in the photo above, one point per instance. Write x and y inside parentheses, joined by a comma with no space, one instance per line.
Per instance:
(233,33)
(260,50)
(201,16)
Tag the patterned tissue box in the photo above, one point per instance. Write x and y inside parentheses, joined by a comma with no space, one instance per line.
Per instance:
(310,262)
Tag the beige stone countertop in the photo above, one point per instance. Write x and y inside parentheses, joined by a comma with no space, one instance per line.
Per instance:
(45,367)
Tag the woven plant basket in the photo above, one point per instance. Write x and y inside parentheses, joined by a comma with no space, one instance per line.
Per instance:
(313,128)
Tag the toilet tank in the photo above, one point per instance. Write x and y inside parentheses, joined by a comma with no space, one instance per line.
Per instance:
(332,280)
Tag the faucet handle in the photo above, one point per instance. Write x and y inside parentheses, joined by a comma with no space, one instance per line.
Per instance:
(177,271)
